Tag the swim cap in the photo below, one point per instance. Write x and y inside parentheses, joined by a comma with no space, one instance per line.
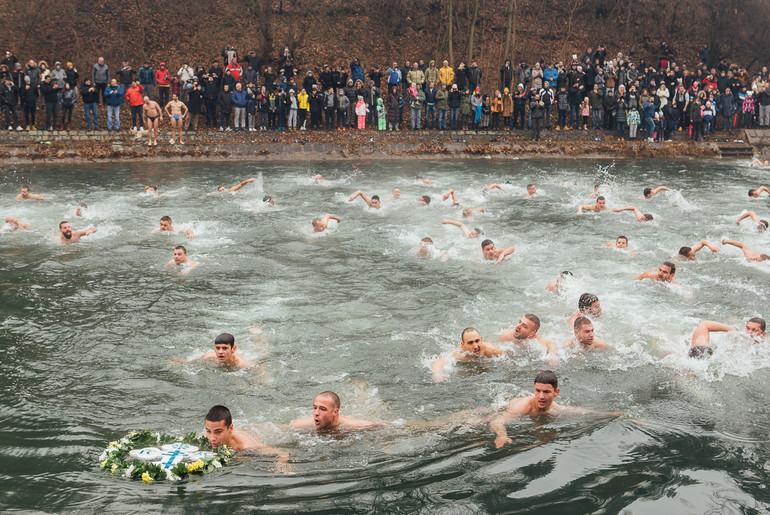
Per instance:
(700,352)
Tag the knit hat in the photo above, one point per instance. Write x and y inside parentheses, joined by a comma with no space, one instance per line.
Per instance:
(27,79)
(69,64)
(57,63)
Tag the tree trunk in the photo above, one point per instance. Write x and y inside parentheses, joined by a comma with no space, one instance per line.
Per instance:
(511,15)
(473,27)
(450,22)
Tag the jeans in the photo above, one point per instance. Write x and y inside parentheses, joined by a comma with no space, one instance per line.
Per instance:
(430,113)
(453,112)
(562,118)
(113,111)
(91,112)
(574,111)
(764,116)
(548,117)
(240,116)
(727,122)
(123,89)
(596,119)
(11,110)
(224,119)
(441,119)
(416,114)
(621,129)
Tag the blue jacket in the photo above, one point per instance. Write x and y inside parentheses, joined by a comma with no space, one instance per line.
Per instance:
(394,76)
(551,76)
(649,110)
(114,95)
(357,72)
(240,98)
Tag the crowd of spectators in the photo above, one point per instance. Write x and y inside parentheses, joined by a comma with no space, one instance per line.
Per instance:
(595,91)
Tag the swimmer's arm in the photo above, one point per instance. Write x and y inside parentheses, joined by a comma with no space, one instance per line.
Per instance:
(702,333)
(497,426)
(427,181)
(507,336)
(454,196)
(550,346)
(184,109)
(637,213)
(747,252)
(303,423)
(658,190)
(492,351)
(503,253)
(581,208)
(747,214)
(705,243)
(601,344)
(759,190)
(463,228)
(170,263)
(84,232)
(494,187)
(190,234)
(242,184)
(647,275)
(325,219)
(438,368)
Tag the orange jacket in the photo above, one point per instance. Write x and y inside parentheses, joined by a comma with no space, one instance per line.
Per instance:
(135,95)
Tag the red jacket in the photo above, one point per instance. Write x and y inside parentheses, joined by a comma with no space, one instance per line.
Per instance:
(135,95)
(162,77)
(235,71)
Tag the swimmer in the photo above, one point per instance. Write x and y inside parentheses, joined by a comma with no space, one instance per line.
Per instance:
(466,232)
(152,115)
(396,194)
(267,199)
(757,162)
(467,212)
(67,235)
(180,259)
(166,225)
(700,348)
(237,186)
(753,193)
(620,243)
(594,194)
(526,329)
(471,346)
(80,208)
(176,111)
(588,306)
(224,352)
(584,335)
(420,178)
(750,254)
(649,192)
(663,274)
(318,179)
(491,253)
(321,224)
(426,250)
(557,285)
(638,214)
(15,225)
(488,189)
(761,224)
(152,189)
(26,195)
(424,200)
(531,191)
(689,252)
(455,200)
(220,431)
(373,202)
(326,416)
(601,205)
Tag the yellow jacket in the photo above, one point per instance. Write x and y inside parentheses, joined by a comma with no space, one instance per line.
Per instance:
(303,103)
(446,75)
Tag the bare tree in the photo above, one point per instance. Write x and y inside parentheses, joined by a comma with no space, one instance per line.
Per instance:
(450,23)
(472,29)
(510,33)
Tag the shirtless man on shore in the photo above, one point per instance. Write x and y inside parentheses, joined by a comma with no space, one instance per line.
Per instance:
(220,431)
(326,416)
(466,232)
(15,224)
(689,252)
(755,193)
(238,186)
(224,352)
(152,115)
(649,192)
(176,111)
(663,274)
(584,336)
(321,224)
(620,243)
(373,202)
(600,205)
(761,224)
(180,259)
(67,235)
(526,329)
(26,195)
(471,347)
(700,348)
(640,217)
(750,254)
(492,254)
(166,225)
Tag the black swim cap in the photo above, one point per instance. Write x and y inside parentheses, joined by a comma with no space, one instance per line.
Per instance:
(700,352)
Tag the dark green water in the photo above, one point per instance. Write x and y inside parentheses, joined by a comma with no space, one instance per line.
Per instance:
(89,334)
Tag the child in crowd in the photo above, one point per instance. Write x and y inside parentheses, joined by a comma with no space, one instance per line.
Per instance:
(585,113)
(361,111)
(633,122)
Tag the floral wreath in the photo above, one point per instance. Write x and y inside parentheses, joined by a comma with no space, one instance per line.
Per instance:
(155,456)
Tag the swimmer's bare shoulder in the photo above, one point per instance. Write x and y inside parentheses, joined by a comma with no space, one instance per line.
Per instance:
(353,423)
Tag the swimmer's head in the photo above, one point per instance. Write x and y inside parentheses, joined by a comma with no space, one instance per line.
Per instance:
(326,410)
(471,341)
(588,304)
(700,352)
(546,389)
(419,177)
(526,327)
(755,327)
(601,201)
(375,201)
(547,377)
(80,208)
(219,425)
(762,226)
(221,188)
(65,229)
(396,192)
(475,233)
(753,193)
(488,248)
(647,192)
(180,254)
(531,190)
(166,224)
(267,199)
(318,225)
(424,200)
(426,242)
(224,347)
(621,242)
(584,331)
(686,252)
(647,217)
(666,271)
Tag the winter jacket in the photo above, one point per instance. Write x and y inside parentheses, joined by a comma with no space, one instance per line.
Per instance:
(446,75)
(415,76)
(455,99)
(114,95)
(536,110)
(595,99)
(100,74)
(465,104)
(239,98)
(536,78)
(432,75)
(225,101)
(442,100)
(163,78)
(551,74)
(9,95)
(620,111)
(633,117)
(194,101)
(394,109)
(89,97)
(507,105)
(59,76)
(28,96)
(146,75)
(357,72)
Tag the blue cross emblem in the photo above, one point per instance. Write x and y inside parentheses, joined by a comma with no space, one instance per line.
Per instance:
(174,453)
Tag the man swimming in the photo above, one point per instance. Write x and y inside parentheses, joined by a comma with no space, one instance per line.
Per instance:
(267,199)
(492,254)
(15,225)
(700,348)
(761,224)
(396,194)
(421,179)
(755,193)
(466,232)
(557,285)
(318,179)
(166,225)
(488,189)
(584,335)
(526,329)
(373,202)
(594,194)
(663,274)
(220,431)
(237,186)
(424,200)
(689,252)
(588,306)
(638,214)
(26,195)
(761,164)
(620,243)
(428,251)
(152,189)
(747,252)
(321,224)
(471,346)
(81,207)
(180,258)
(224,352)
(467,211)
(531,191)
(326,416)
(600,205)
(649,192)
(67,235)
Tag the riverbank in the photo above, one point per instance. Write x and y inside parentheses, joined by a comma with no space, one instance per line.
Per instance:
(97,146)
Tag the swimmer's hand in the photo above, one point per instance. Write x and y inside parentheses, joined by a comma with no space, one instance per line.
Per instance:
(616,210)
(502,440)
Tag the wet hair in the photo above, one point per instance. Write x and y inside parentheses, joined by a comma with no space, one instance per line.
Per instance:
(84,205)
(375,197)
(315,222)
(534,319)
(752,192)
(671,265)
(685,251)
(647,192)
(267,198)
(181,247)
(528,185)
(426,240)
(226,338)
(462,335)
(700,352)
(763,225)
(580,322)
(478,230)
(62,223)
(586,300)
(333,396)
(647,217)
(218,413)
(426,199)
(565,273)
(619,237)
(485,243)
(25,188)
(547,377)
(165,218)
(760,321)
(600,197)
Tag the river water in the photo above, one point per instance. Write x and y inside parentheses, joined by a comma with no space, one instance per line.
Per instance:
(91,335)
